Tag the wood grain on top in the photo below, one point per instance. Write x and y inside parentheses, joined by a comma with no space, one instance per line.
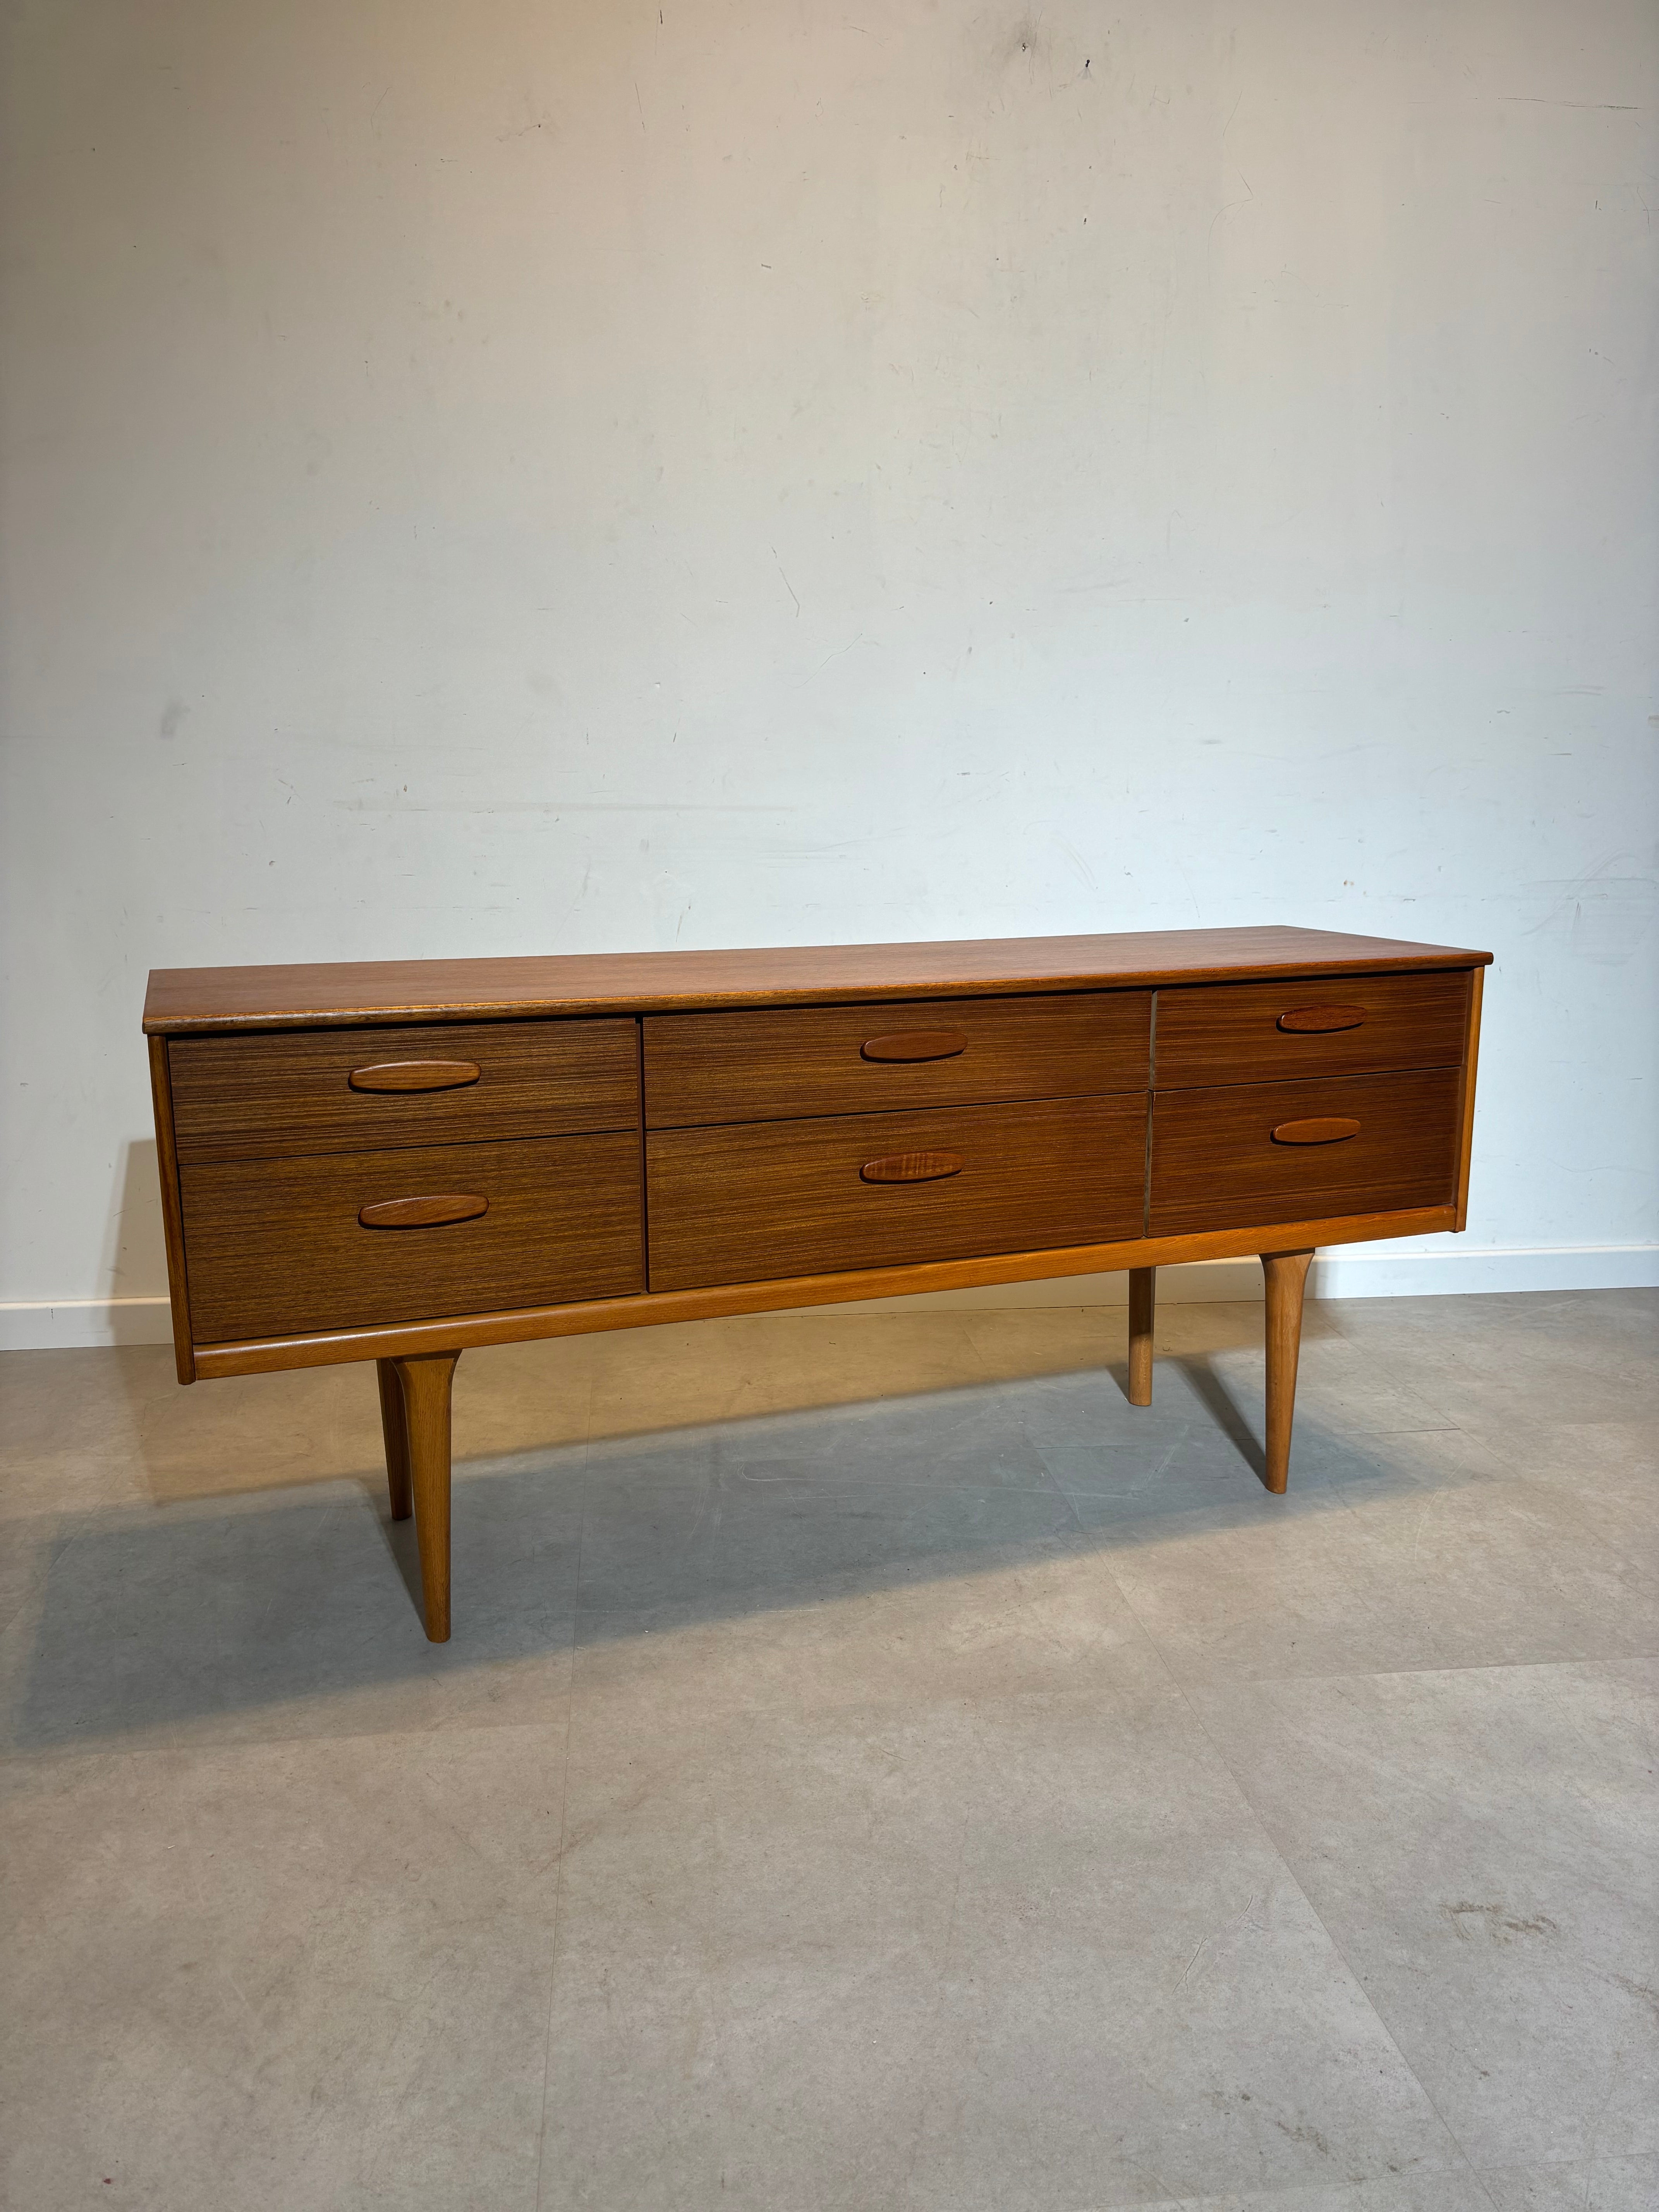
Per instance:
(182,1000)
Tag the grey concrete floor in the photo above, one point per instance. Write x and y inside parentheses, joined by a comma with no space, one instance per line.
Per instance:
(875,1766)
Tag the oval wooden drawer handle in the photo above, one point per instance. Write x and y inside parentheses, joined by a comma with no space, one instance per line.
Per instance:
(1317,1020)
(915,1044)
(414,1075)
(912,1167)
(423,1212)
(1322,1129)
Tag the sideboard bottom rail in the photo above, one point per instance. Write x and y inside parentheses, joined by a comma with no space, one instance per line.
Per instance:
(416,1360)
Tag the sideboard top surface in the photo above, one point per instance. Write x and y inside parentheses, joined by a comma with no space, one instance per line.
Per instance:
(183,1001)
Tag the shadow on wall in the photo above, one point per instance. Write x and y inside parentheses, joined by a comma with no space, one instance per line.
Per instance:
(249,1618)
(134,1260)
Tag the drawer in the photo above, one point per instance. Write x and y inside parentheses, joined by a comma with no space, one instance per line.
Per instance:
(263,1096)
(275,1247)
(776,1198)
(1218,1163)
(777,1064)
(1342,1025)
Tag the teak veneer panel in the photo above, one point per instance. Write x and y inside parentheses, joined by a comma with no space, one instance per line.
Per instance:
(1229,1032)
(182,999)
(276,1245)
(739,1204)
(1215,1162)
(781,1064)
(266,1097)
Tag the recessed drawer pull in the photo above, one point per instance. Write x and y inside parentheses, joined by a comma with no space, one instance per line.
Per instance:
(414,1075)
(914,1044)
(1304,1021)
(1322,1129)
(912,1167)
(423,1212)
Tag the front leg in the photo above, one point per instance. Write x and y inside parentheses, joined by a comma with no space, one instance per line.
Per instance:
(1143,1293)
(1287,1276)
(424,1382)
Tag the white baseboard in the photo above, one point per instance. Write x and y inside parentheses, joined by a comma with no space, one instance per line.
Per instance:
(1416,1269)
(77,1324)
(1407,1269)
(1437,1270)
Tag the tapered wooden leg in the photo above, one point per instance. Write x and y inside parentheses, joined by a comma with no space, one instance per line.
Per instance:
(1287,1277)
(1143,1293)
(425,1382)
(395,1430)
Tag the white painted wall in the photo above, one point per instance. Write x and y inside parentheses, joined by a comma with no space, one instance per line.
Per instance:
(546,477)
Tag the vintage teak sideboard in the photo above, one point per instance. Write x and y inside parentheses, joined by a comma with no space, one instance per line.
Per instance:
(395,1161)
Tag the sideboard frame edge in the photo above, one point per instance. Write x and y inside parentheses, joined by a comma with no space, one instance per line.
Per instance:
(636,1004)
(173,1218)
(1471,1061)
(404,1339)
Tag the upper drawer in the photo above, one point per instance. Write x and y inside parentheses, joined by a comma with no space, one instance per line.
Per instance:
(777,1064)
(1344,1025)
(335,1091)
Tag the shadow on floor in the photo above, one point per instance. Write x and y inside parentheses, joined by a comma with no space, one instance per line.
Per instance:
(316,1426)
(1225,1411)
(148,1618)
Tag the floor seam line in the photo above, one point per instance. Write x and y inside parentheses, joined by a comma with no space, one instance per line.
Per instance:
(1260,1820)
(1279,1853)
(1412,1674)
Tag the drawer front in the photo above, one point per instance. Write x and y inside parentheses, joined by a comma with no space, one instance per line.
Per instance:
(1210,1033)
(776,1198)
(275,1247)
(1356,1145)
(775,1064)
(266,1097)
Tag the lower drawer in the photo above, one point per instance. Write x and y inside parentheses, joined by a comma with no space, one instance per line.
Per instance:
(770,1200)
(275,1247)
(1298,1151)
